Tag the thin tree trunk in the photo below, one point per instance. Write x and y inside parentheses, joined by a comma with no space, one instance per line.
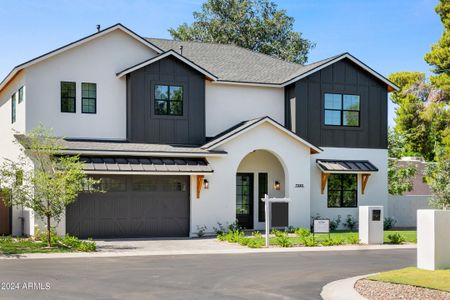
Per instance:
(49,233)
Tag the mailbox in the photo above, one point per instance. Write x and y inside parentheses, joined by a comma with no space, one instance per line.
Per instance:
(371,230)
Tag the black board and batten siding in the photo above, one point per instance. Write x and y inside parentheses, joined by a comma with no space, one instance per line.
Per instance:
(342,77)
(143,126)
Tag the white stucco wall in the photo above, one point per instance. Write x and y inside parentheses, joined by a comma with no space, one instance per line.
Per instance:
(376,192)
(96,61)
(404,208)
(229,104)
(218,203)
(262,161)
(11,150)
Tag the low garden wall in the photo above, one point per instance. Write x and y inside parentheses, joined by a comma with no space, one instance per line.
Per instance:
(404,209)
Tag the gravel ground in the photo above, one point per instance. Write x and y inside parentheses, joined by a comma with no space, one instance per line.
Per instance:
(377,290)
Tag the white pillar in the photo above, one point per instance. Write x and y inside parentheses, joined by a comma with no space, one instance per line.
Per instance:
(433,239)
(371,221)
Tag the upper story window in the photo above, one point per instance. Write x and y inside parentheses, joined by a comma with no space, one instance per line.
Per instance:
(88,98)
(21,94)
(68,96)
(168,100)
(13,107)
(342,110)
(342,190)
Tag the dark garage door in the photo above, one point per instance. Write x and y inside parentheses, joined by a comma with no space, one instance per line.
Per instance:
(132,206)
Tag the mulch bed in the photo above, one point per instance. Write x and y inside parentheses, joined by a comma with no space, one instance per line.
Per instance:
(377,290)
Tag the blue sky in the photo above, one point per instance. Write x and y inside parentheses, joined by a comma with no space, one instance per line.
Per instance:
(388,35)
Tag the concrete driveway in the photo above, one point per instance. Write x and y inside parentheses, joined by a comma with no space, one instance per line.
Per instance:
(296,275)
(165,246)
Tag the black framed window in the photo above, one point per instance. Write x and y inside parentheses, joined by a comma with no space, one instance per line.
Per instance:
(68,97)
(88,98)
(13,108)
(342,110)
(342,190)
(21,94)
(168,100)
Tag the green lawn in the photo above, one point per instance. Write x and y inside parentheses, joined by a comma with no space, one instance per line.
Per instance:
(438,280)
(11,246)
(410,236)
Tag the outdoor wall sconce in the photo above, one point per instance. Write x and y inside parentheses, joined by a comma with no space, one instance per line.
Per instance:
(205,184)
(277,185)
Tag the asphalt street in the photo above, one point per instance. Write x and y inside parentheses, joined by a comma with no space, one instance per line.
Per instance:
(298,275)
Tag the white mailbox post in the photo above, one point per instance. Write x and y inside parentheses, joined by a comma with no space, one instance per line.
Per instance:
(371,221)
(433,239)
(267,201)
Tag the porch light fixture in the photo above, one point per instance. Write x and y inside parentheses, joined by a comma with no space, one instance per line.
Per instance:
(277,185)
(205,184)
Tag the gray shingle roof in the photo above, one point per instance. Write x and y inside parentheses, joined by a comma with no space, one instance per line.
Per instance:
(233,63)
(83,146)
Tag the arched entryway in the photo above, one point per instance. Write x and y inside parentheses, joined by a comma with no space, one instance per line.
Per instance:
(260,172)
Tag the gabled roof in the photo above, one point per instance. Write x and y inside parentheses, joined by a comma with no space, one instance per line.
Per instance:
(231,63)
(234,64)
(163,55)
(242,127)
(312,68)
(79,42)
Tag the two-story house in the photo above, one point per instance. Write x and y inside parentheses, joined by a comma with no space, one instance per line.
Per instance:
(188,134)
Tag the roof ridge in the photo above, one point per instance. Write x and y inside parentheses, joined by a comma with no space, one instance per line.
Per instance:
(230,45)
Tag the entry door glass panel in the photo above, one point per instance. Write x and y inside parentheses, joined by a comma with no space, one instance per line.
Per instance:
(262,190)
(244,200)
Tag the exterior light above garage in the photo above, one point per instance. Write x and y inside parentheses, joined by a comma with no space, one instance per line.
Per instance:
(205,184)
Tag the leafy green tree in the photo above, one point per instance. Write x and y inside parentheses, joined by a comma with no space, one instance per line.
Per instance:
(42,179)
(253,24)
(438,178)
(400,178)
(439,56)
(422,116)
(396,144)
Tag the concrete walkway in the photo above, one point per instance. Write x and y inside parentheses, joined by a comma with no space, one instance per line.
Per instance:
(185,246)
(343,289)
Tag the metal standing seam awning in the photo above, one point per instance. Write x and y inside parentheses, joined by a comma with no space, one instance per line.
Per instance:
(145,165)
(331,166)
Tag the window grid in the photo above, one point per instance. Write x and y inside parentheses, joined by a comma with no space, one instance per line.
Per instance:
(88,98)
(348,116)
(68,97)
(342,190)
(168,100)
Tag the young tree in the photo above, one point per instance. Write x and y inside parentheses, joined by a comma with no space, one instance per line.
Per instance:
(400,178)
(438,178)
(52,182)
(253,24)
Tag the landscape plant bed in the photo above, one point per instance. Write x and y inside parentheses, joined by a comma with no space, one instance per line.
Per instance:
(407,283)
(19,245)
(302,237)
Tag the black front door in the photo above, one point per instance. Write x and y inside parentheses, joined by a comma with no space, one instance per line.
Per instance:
(244,199)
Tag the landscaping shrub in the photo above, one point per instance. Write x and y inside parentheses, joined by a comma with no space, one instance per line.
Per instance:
(220,229)
(302,232)
(334,223)
(73,242)
(353,239)
(235,226)
(309,241)
(350,222)
(201,230)
(332,241)
(291,229)
(396,238)
(389,223)
(282,239)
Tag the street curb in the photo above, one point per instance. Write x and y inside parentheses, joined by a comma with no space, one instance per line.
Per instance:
(244,250)
(343,289)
